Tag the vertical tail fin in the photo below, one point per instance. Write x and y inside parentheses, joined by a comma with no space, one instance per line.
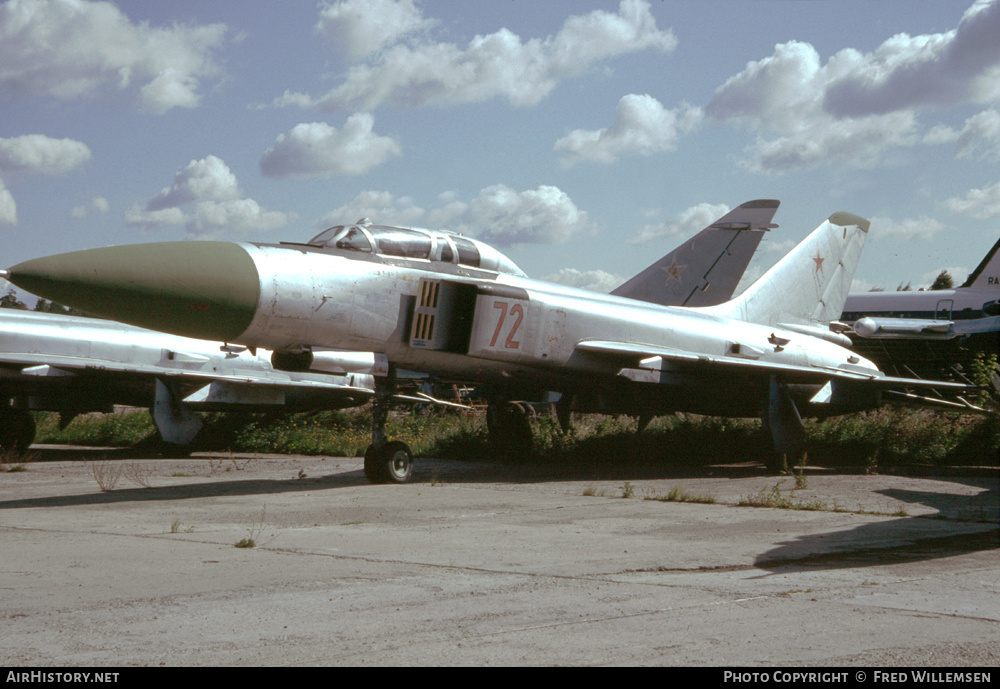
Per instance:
(810,284)
(706,269)
(987,273)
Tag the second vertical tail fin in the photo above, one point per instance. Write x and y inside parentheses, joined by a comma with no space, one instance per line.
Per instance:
(810,284)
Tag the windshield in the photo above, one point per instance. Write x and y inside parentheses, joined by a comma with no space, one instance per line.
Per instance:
(343,237)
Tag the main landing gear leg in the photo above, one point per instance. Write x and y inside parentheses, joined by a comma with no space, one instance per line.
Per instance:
(386,461)
(509,426)
(782,422)
(17,429)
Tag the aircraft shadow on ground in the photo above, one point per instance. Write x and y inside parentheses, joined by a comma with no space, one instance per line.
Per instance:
(961,526)
(428,470)
(861,546)
(916,538)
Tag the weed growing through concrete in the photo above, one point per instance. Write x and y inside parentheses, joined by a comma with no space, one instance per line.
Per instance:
(254,532)
(774,498)
(678,494)
(138,473)
(107,474)
(13,460)
(177,527)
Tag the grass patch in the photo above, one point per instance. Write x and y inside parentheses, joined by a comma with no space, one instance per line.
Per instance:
(253,532)
(12,461)
(880,439)
(177,527)
(774,498)
(678,494)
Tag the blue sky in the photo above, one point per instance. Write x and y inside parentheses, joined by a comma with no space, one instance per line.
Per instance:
(584,139)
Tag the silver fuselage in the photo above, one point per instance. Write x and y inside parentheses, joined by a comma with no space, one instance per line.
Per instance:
(510,330)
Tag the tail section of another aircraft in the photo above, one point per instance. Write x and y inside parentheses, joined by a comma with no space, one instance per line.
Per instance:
(986,276)
(706,269)
(808,287)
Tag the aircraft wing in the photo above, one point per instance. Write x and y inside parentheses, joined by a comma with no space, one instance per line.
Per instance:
(640,356)
(33,362)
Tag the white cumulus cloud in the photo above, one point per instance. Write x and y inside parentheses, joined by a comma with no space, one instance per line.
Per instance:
(686,224)
(37,153)
(781,96)
(496,65)
(981,132)
(961,65)
(923,228)
(8,209)
(73,48)
(857,106)
(318,149)
(98,206)
(498,215)
(594,280)
(981,203)
(642,126)
(504,217)
(358,28)
(205,197)
(201,180)
(381,207)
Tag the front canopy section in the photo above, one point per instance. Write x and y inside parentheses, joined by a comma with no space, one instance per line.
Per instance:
(415,243)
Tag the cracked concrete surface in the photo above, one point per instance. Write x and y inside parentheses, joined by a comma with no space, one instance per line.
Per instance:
(490,564)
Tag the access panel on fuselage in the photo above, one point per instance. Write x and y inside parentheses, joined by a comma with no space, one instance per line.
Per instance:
(442,316)
(504,325)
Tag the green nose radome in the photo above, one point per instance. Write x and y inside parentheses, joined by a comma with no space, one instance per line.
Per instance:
(208,290)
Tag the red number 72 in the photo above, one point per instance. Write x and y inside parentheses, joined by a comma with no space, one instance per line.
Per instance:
(516,311)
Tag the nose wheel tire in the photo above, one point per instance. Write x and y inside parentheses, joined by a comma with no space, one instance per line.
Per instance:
(391,463)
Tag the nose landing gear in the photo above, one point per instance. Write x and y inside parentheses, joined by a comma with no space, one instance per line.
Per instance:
(386,461)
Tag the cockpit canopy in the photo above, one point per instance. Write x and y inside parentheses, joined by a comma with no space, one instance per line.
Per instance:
(406,242)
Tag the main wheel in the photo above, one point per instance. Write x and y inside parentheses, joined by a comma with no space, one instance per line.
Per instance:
(17,430)
(391,463)
(509,428)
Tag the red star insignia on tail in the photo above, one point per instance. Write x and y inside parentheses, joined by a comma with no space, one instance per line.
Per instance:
(819,261)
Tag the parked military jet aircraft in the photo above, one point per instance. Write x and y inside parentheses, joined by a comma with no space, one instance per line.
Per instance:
(453,307)
(73,365)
